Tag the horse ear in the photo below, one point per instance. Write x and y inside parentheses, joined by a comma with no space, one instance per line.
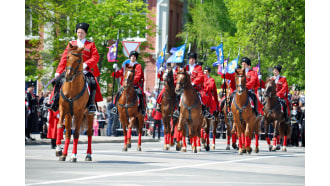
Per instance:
(70,45)
(127,65)
(81,49)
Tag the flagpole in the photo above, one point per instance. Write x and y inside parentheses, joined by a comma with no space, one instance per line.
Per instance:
(114,73)
(224,75)
(260,77)
(161,73)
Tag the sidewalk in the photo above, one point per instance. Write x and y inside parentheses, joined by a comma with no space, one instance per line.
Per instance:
(95,139)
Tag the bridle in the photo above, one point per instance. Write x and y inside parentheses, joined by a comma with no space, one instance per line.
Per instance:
(184,84)
(126,79)
(243,87)
(75,70)
(272,93)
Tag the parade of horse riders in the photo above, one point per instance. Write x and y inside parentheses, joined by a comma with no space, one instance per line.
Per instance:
(213,88)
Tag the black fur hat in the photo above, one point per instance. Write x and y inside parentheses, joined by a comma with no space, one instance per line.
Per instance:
(207,68)
(135,53)
(278,67)
(246,60)
(192,55)
(84,26)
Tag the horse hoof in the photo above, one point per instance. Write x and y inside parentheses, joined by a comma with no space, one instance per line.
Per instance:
(284,149)
(207,148)
(227,148)
(273,149)
(124,149)
(256,150)
(88,158)
(138,149)
(249,151)
(58,153)
(62,158)
(171,144)
(234,146)
(244,151)
(278,147)
(129,145)
(184,150)
(178,148)
(240,152)
(73,159)
(270,147)
(195,150)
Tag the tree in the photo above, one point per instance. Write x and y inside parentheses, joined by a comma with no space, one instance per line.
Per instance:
(105,18)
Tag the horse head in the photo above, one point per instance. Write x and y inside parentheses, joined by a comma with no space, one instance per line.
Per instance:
(168,77)
(129,76)
(270,88)
(240,80)
(74,63)
(182,80)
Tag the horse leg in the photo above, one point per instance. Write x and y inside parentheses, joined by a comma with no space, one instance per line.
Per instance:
(275,136)
(89,135)
(68,121)
(267,135)
(234,136)
(184,144)
(278,147)
(172,133)
(214,132)
(77,123)
(59,135)
(140,124)
(178,142)
(228,135)
(248,136)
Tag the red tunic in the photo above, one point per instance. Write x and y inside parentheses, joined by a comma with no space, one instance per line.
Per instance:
(210,87)
(282,90)
(90,57)
(196,76)
(231,78)
(138,75)
(160,96)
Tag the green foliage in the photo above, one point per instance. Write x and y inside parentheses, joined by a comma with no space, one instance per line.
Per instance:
(275,29)
(105,18)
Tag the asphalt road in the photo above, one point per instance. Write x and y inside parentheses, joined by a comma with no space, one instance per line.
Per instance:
(153,166)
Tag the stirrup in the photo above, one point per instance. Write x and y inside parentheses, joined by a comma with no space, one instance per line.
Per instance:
(176,114)
(91,109)
(230,115)
(114,111)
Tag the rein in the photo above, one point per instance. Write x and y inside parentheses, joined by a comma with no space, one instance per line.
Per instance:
(190,108)
(70,101)
(126,106)
(241,109)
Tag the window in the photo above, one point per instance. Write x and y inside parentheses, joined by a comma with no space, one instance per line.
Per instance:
(31,23)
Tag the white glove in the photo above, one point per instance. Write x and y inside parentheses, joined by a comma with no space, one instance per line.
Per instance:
(161,69)
(57,74)
(224,71)
(115,66)
(58,115)
(85,65)
(259,76)
(193,84)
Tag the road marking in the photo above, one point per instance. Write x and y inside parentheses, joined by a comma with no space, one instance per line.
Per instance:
(160,169)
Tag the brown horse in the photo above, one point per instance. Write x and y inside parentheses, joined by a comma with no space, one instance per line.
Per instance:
(129,115)
(72,104)
(168,106)
(223,117)
(273,114)
(245,120)
(190,110)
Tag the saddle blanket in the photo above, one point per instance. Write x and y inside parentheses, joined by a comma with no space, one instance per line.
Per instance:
(88,88)
(251,102)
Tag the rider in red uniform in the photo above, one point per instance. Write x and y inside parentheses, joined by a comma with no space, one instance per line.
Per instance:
(138,81)
(211,88)
(252,83)
(90,58)
(282,89)
(197,79)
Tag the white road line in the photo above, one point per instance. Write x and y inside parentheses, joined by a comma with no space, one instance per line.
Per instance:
(161,169)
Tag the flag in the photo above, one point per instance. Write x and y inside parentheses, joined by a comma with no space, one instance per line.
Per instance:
(219,51)
(177,54)
(232,65)
(161,58)
(113,51)
(258,65)
(220,66)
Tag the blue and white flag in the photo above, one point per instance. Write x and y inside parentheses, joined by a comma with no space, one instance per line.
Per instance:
(219,51)
(177,54)
(232,65)
(161,58)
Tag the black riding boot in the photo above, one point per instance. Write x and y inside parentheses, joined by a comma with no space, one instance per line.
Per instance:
(285,110)
(141,98)
(255,102)
(205,112)
(91,102)
(114,109)
(176,113)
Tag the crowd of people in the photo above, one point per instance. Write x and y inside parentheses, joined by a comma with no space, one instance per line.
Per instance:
(106,120)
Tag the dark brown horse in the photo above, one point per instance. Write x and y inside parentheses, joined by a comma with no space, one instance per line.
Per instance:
(223,117)
(190,110)
(129,115)
(245,120)
(72,104)
(168,106)
(273,114)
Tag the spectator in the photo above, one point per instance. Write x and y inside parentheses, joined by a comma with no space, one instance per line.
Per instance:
(32,104)
(96,126)
(153,99)
(157,120)
(295,96)
(110,116)
(150,105)
(295,117)
(147,92)
(301,99)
